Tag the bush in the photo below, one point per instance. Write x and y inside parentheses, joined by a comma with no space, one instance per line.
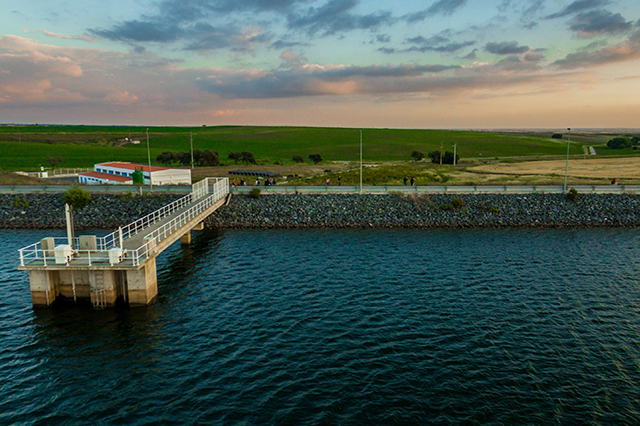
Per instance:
(572,195)
(298,159)
(316,158)
(417,155)
(457,203)
(21,203)
(255,193)
(619,143)
(447,157)
(556,136)
(76,197)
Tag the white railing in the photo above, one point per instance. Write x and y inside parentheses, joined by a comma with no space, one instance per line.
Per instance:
(218,189)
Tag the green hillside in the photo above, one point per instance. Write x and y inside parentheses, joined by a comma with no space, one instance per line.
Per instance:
(81,146)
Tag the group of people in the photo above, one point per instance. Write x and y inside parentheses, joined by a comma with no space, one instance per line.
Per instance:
(242,182)
(267,182)
(413,181)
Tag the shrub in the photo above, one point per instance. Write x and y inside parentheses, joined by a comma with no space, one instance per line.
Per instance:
(417,155)
(76,197)
(619,143)
(21,203)
(316,158)
(255,193)
(446,207)
(298,159)
(457,203)
(572,195)
(556,136)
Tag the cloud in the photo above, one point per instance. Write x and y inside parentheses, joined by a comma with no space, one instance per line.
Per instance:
(142,31)
(471,55)
(444,7)
(290,59)
(590,24)
(438,43)
(594,55)
(315,80)
(577,7)
(120,98)
(505,48)
(80,37)
(335,17)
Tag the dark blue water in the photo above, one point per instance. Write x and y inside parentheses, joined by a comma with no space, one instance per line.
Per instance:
(496,327)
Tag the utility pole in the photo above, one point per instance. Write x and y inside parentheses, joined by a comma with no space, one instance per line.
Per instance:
(191,139)
(454,153)
(360,161)
(566,167)
(149,156)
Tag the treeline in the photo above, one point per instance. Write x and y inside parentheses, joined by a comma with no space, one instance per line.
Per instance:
(200,158)
(621,143)
(437,157)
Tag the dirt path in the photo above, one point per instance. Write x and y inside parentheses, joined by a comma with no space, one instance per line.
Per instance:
(609,168)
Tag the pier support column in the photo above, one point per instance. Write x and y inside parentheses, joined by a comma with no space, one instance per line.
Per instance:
(44,289)
(185,240)
(142,284)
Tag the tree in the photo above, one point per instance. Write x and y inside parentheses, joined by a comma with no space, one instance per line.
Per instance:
(556,136)
(210,158)
(417,155)
(434,156)
(247,157)
(235,156)
(447,158)
(619,143)
(166,158)
(298,159)
(54,160)
(316,158)
(76,197)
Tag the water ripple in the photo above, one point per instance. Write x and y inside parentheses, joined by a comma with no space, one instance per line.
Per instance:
(342,327)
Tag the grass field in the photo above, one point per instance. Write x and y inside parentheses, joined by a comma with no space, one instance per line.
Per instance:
(25,148)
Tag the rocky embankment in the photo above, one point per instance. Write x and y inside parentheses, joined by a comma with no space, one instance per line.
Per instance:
(39,211)
(433,211)
(36,211)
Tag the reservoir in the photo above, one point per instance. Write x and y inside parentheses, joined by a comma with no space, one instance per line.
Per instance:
(348,327)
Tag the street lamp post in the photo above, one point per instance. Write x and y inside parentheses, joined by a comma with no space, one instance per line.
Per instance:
(454,153)
(191,139)
(361,161)
(566,167)
(149,157)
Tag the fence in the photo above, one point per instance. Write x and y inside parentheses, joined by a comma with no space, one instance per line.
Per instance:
(440,189)
(218,190)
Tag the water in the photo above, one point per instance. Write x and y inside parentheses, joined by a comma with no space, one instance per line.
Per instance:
(342,327)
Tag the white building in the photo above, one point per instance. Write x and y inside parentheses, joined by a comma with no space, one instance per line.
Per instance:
(121,173)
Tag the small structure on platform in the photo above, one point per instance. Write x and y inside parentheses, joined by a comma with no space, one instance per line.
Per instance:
(123,173)
(121,265)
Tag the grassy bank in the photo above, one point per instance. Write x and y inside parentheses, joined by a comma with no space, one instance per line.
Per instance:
(82,146)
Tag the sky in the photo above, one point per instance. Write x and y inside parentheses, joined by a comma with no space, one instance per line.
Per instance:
(457,64)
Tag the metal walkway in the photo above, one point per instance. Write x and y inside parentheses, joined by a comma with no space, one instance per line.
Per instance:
(131,245)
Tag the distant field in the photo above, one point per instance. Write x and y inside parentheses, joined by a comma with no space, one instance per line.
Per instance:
(82,146)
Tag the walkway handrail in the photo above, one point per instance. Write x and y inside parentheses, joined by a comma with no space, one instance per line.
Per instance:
(113,239)
(219,190)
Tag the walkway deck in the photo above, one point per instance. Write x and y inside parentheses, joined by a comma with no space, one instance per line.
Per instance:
(136,241)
